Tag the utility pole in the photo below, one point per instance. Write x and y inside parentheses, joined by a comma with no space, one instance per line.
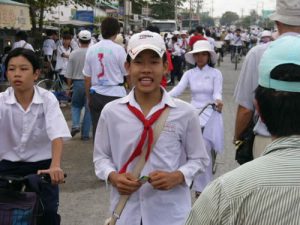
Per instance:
(190,24)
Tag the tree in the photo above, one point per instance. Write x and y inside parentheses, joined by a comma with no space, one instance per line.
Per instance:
(207,20)
(229,18)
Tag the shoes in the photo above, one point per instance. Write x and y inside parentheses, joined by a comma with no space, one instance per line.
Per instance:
(85,138)
(74,131)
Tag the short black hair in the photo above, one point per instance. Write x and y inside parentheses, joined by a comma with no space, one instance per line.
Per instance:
(199,29)
(109,27)
(85,42)
(154,29)
(21,35)
(26,53)
(280,110)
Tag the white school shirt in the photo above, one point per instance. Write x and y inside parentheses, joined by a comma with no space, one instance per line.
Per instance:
(62,62)
(105,64)
(49,46)
(22,44)
(205,85)
(26,135)
(179,147)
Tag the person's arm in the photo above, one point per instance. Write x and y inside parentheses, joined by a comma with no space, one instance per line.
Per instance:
(243,118)
(218,89)
(181,86)
(87,85)
(55,171)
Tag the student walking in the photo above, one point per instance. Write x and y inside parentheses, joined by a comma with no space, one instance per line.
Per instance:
(125,124)
(75,76)
(104,70)
(32,129)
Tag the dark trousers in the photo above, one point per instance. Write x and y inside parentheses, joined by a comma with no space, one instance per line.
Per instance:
(96,104)
(177,68)
(49,193)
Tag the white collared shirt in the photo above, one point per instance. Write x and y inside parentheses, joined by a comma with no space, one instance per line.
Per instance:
(179,147)
(105,64)
(26,135)
(22,44)
(205,84)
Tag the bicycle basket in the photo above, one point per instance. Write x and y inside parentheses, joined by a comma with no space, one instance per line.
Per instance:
(18,208)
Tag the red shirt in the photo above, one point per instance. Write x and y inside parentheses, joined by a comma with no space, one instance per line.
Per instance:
(195,38)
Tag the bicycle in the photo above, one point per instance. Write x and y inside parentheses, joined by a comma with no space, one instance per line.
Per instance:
(56,86)
(19,199)
(236,55)
(206,111)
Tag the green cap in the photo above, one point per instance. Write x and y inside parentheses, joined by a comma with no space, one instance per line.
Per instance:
(284,50)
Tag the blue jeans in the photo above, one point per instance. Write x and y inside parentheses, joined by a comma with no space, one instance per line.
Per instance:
(78,102)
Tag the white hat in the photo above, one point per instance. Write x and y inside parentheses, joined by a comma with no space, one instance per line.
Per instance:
(85,35)
(146,40)
(287,12)
(120,40)
(201,46)
(266,33)
(176,32)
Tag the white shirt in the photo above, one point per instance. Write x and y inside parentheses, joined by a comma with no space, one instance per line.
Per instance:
(22,44)
(237,40)
(248,81)
(27,135)
(179,147)
(205,85)
(104,63)
(62,62)
(49,46)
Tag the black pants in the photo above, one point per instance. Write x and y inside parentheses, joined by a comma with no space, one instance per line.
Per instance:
(177,68)
(96,104)
(49,192)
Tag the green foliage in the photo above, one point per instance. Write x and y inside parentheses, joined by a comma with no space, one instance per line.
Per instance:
(207,20)
(229,18)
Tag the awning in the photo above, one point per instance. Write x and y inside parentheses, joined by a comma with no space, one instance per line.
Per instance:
(76,23)
(14,15)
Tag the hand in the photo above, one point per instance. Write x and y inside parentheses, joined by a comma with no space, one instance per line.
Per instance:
(165,180)
(68,92)
(219,105)
(56,174)
(125,183)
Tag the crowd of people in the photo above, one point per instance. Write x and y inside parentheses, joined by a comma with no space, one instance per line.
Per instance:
(152,147)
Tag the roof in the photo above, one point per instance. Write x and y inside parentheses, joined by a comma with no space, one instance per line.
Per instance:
(9,2)
(74,23)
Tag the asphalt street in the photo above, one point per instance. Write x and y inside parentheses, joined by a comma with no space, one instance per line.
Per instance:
(84,200)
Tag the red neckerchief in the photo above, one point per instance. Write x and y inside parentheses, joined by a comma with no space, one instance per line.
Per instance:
(148,131)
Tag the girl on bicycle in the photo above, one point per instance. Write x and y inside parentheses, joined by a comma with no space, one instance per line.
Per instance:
(205,83)
(32,129)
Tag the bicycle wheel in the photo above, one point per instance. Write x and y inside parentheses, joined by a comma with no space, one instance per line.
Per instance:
(236,61)
(47,84)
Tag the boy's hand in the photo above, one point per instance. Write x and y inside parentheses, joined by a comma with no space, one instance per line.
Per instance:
(56,174)
(126,183)
(165,180)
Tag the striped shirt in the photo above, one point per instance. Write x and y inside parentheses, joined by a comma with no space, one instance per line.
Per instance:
(265,191)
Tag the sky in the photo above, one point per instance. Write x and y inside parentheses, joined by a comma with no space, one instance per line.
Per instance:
(238,6)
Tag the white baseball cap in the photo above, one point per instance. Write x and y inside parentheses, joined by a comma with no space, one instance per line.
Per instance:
(85,35)
(201,46)
(146,40)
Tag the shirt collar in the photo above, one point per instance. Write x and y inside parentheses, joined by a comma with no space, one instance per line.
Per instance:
(283,143)
(11,98)
(205,68)
(166,100)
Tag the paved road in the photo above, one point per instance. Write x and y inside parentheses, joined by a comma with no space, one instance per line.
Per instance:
(84,200)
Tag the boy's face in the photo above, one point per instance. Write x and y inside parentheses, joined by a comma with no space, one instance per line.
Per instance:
(20,74)
(146,71)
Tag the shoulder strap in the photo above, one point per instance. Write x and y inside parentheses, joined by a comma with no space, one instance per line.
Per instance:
(24,44)
(159,125)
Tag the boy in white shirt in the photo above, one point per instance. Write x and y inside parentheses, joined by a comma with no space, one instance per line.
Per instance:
(177,156)
(32,129)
